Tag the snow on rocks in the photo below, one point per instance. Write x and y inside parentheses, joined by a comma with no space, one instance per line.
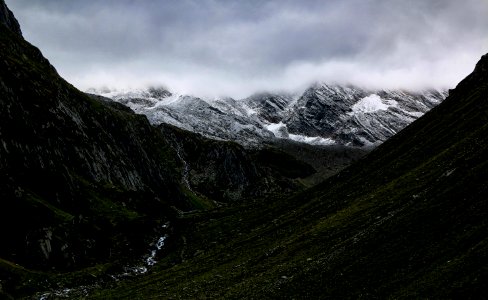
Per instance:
(323,114)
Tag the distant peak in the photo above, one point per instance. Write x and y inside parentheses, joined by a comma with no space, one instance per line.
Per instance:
(7,18)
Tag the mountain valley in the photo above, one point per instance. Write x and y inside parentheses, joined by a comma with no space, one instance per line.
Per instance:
(339,192)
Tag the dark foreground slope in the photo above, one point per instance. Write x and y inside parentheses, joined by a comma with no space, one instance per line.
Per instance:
(85,184)
(81,181)
(408,221)
(7,19)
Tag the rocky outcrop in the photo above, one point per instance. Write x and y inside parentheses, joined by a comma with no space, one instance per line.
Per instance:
(228,173)
(270,108)
(7,19)
(77,175)
(323,115)
(478,77)
(85,180)
(355,116)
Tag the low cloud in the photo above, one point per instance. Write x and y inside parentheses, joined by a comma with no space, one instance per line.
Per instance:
(235,48)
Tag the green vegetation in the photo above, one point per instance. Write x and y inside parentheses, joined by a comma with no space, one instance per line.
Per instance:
(407,221)
(86,184)
(229,174)
(284,163)
(46,209)
(82,182)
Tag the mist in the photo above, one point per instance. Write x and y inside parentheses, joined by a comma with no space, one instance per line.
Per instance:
(236,48)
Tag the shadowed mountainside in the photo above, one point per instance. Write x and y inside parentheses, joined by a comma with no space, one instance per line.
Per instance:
(75,172)
(407,221)
(7,18)
(86,183)
(230,174)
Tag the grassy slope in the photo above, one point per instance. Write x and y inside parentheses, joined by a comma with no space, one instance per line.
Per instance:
(66,163)
(226,172)
(409,220)
(91,179)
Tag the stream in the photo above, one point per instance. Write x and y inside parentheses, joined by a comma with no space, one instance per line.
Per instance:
(146,262)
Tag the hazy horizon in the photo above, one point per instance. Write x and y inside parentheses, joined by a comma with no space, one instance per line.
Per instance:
(235,48)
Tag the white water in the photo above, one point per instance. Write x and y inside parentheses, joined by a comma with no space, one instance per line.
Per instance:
(150,261)
(129,271)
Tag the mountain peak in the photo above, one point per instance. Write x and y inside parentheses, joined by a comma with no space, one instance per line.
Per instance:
(480,72)
(482,65)
(7,18)
(479,77)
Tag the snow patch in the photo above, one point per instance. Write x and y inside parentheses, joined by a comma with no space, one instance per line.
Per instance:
(317,140)
(280,131)
(168,100)
(249,111)
(372,103)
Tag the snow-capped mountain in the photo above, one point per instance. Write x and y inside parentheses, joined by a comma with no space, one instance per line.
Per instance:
(351,115)
(324,114)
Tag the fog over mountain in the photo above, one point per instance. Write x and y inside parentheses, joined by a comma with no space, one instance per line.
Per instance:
(236,48)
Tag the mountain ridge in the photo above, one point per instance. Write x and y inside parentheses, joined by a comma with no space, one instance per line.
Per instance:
(407,221)
(323,115)
(8,19)
(66,158)
(85,182)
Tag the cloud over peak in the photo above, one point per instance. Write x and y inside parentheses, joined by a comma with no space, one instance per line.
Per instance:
(235,48)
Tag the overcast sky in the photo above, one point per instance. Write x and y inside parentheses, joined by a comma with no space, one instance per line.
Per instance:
(235,48)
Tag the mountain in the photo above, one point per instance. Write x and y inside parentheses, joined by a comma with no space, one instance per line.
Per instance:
(220,119)
(229,174)
(355,116)
(224,172)
(92,195)
(7,19)
(323,115)
(407,221)
(87,185)
(76,174)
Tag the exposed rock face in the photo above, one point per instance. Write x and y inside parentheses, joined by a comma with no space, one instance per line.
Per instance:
(7,18)
(226,172)
(323,115)
(83,170)
(407,221)
(270,108)
(355,116)
(83,179)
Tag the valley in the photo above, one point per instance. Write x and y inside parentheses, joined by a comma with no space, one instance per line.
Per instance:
(338,192)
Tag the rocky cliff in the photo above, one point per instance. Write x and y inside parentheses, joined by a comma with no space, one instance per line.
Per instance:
(84,180)
(230,174)
(7,19)
(324,114)
(76,173)
(408,221)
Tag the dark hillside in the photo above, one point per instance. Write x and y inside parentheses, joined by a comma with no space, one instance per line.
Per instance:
(76,173)
(7,19)
(407,221)
(229,174)
(85,184)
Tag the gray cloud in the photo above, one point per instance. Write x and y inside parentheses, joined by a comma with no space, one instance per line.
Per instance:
(217,47)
